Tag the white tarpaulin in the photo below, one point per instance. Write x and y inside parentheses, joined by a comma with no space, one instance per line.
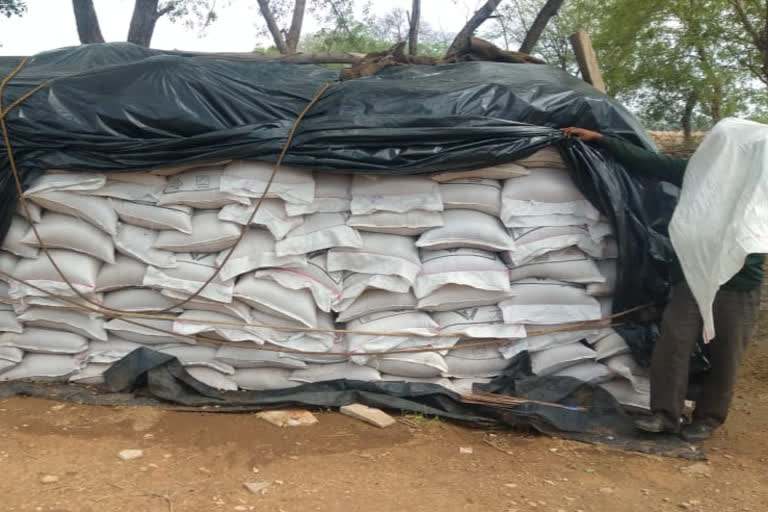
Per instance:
(722,215)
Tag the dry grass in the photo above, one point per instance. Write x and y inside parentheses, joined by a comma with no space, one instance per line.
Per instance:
(673,142)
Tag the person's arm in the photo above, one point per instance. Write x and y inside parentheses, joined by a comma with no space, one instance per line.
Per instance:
(636,159)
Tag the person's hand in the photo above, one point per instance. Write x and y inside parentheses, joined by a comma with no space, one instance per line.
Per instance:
(582,134)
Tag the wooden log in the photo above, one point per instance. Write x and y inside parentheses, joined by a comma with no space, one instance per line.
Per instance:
(587,60)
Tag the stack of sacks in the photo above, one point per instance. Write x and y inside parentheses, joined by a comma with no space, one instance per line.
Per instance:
(443,261)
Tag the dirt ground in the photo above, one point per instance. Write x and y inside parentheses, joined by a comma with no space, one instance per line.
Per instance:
(64,458)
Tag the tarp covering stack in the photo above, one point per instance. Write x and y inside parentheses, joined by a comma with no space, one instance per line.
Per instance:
(118,108)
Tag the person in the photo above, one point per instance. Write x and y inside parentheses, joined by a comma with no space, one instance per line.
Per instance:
(735,310)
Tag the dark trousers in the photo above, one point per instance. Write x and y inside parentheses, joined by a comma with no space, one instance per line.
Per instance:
(735,315)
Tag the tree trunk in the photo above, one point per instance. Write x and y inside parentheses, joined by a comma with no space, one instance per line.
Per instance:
(294,33)
(143,22)
(277,36)
(687,119)
(413,31)
(464,35)
(539,24)
(87,21)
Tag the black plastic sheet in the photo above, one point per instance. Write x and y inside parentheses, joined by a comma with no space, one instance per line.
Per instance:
(119,107)
(585,413)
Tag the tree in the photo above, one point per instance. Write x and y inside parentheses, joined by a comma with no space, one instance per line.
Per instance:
(146,13)
(286,41)
(87,21)
(10,8)
(480,16)
(414,21)
(749,43)
(548,10)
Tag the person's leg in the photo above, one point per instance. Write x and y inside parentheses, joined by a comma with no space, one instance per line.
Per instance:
(735,315)
(681,327)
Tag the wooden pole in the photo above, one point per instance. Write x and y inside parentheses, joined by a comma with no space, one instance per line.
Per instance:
(587,60)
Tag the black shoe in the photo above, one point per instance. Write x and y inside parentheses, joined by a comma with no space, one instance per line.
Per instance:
(696,432)
(655,424)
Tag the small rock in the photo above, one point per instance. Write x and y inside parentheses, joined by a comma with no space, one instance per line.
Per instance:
(279,482)
(254,470)
(257,487)
(533,504)
(561,510)
(729,457)
(645,491)
(569,498)
(293,457)
(375,417)
(204,470)
(288,418)
(465,450)
(130,454)
(697,469)
(589,470)
(685,505)
(167,456)
(666,500)
(240,507)
(511,486)
(694,503)
(549,482)
(553,450)
(58,407)
(49,479)
(606,490)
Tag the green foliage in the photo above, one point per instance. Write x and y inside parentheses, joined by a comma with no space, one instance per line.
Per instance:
(10,8)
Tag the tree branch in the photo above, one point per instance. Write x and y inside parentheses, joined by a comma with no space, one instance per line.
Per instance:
(88,29)
(294,33)
(272,26)
(741,12)
(549,10)
(413,31)
(464,35)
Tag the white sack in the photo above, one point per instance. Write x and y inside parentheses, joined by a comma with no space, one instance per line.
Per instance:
(588,371)
(477,322)
(624,393)
(191,272)
(256,250)
(608,269)
(354,285)
(467,228)
(109,351)
(382,254)
(35,212)
(271,215)
(416,364)
(140,243)
(726,188)
(150,216)
(458,296)
(538,342)
(547,157)
(96,210)
(132,186)
(11,354)
(611,345)
(376,301)
(138,300)
(125,272)
(472,194)
(211,325)
(271,297)
(234,308)
(533,242)
(146,332)
(209,234)
(212,378)
(87,325)
(45,341)
(264,379)
(59,231)
(249,179)
(478,269)
(570,265)
(59,181)
(394,194)
(80,269)
(325,286)
(625,366)
(470,362)
(319,231)
(410,223)
(92,374)
(9,322)
(335,371)
(199,188)
(245,357)
(14,239)
(555,359)
(42,366)
(197,355)
(331,196)
(495,172)
(538,301)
